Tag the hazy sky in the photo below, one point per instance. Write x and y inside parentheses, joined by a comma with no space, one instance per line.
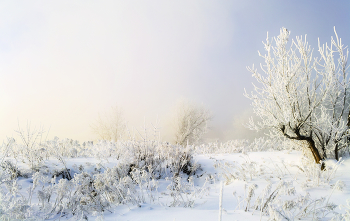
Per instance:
(63,62)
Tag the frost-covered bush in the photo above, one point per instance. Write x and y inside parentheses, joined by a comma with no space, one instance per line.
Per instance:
(8,168)
(79,192)
(280,201)
(90,193)
(239,171)
(184,193)
(345,216)
(244,146)
(313,175)
(232,146)
(163,157)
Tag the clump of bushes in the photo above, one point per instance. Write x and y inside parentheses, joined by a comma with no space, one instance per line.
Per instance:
(81,192)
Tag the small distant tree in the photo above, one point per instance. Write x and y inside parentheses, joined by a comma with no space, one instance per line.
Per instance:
(111,125)
(190,122)
(302,97)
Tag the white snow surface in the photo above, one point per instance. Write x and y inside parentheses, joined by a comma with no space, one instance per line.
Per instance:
(209,209)
(266,167)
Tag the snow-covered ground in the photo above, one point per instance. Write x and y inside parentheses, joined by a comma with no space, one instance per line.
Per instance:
(273,170)
(278,185)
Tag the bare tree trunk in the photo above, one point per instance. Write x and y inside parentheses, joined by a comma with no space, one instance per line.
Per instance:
(315,152)
(336,152)
(310,142)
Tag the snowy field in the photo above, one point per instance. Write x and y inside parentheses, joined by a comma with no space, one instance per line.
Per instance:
(270,169)
(114,181)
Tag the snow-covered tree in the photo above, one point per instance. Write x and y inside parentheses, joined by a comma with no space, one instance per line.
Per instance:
(190,122)
(302,97)
(111,125)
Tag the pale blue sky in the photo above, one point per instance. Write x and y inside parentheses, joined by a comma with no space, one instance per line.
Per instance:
(61,63)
